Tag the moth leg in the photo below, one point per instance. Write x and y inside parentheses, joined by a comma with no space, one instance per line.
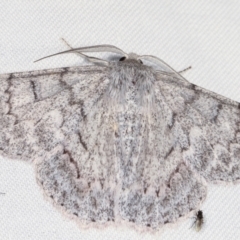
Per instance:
(72,50)
(173,73)
(69,46)
(66,43)
(185,70)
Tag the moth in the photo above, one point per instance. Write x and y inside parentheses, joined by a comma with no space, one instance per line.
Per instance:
(120,141)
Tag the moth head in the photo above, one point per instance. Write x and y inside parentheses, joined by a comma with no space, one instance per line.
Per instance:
(112,49)
(131,56)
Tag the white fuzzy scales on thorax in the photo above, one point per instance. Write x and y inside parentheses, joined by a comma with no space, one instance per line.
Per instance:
(131,83)
(130,98)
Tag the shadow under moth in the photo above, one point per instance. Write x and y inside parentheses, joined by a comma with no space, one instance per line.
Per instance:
(120,141)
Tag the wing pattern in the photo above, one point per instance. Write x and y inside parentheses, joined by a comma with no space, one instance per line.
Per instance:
(120,143)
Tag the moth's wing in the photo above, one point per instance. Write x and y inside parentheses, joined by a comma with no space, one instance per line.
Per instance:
(34,105)
(121,166)
(86,165)
(80,175)
(210,129)
(58,121)
(159,186)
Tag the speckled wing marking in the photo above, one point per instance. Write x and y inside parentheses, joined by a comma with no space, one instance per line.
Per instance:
(33,107)
(210,130)
(119,143)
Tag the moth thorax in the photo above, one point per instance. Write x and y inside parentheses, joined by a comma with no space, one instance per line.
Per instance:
(131,84)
